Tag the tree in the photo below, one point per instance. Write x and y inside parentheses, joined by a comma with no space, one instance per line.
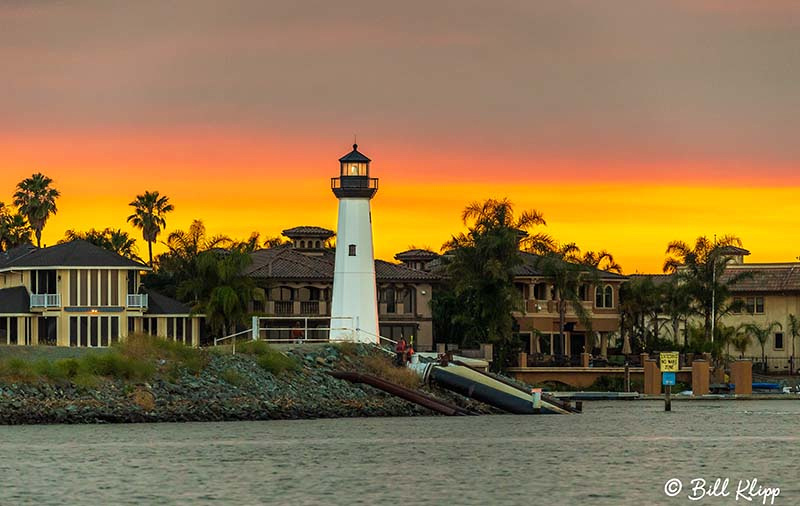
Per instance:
(116,240)
(149,216)
(602,260)
(564,268)
(480,267)
(793,328)
(701,269)
(676,305)
(222,291)
(14,230)
(36,200)
(762,334)
(179,264)
(640,299)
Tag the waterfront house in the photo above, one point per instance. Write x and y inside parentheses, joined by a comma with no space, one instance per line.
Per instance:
(297,279)
(537,315)
(78,294)
(770,293)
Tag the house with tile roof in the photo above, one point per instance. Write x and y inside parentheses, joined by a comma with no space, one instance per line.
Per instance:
(78,294)
(297,279)
(770,292)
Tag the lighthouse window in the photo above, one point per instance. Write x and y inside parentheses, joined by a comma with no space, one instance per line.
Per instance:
(352,250)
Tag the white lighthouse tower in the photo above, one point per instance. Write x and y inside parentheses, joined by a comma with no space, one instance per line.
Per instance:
(354,305)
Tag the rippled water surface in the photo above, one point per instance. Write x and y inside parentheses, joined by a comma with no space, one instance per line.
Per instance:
(615,453)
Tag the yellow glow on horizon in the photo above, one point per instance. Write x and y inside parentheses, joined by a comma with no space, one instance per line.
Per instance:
(634,222)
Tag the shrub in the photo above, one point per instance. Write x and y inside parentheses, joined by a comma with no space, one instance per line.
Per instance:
(116,366)
(383,367)
(17,369)
(276,362)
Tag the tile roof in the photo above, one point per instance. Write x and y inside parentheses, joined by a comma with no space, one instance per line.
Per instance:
(528,268)
(414,254)
(15,300)
(287,263)
(308,231)
(77,253)
(766,278)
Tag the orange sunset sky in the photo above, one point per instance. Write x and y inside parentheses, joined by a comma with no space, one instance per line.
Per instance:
(628,124)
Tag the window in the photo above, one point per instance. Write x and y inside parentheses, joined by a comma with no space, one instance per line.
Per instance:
(609,296)
(540,291)
(352,248)
(738,304)
(583,292)
(302,244)
(604,297)
(754,305)
(778,340)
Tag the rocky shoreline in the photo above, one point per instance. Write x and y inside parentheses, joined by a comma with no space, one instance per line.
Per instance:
(229,387)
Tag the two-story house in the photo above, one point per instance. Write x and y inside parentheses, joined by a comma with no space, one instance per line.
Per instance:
(297,279)
(78,294)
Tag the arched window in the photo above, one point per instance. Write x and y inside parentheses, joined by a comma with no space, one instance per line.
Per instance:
(302,244)
(317,245)
(609,297)
(281,293)
(598,297)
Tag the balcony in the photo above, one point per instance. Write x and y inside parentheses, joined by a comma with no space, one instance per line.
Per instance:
(309,307)
(45,301)
(137,301)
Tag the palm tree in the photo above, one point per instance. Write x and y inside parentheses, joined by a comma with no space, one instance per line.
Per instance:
(762,336)
(14,230)
(494,213)
(562,266)
(480,265)
(702,269)
(793,327)
(36,200)
(602,260)
(116,240)
(224,292)
(150,210)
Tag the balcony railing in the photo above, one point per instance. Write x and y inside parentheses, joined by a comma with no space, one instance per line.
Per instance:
(309,307)
(137,301)
(45,300)
(284,307)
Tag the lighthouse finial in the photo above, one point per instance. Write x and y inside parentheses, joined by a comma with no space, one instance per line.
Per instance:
(355,142)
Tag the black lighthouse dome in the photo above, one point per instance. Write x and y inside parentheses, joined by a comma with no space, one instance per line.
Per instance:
(354,180)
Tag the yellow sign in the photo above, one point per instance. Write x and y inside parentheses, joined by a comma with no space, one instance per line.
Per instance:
(669,361)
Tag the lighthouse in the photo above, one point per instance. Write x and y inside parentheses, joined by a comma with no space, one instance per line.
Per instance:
(354,305)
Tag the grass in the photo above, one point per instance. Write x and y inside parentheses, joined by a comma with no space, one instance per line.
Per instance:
(383,366)
(268,358)
(139,358)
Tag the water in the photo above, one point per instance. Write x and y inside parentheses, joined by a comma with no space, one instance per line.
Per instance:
(616,453)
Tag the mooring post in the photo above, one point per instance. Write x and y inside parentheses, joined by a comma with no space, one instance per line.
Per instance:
(627,377)
(668,398)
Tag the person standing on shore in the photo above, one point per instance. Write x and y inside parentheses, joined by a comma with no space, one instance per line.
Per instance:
(297,333)
(400,351)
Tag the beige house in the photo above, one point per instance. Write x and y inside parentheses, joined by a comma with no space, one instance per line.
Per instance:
(297,279)
(538,317)
(78,294)
(770,293)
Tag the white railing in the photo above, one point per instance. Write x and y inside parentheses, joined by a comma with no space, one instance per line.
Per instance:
(137,301)
(302,332)
(45,300)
